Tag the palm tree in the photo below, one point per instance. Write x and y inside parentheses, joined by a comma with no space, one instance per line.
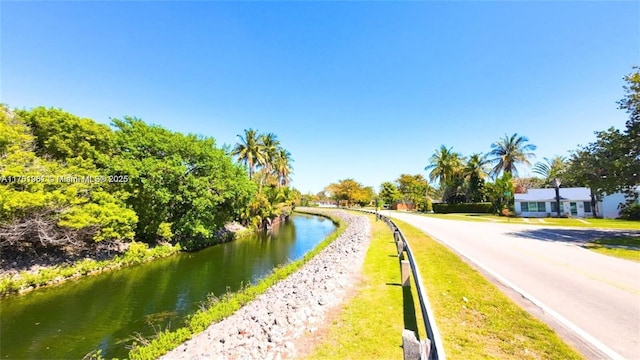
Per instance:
(510,151)
(474,172)
(476,167)
(282,166)
(443,164)
(271,145)
(250,150)
(550,169)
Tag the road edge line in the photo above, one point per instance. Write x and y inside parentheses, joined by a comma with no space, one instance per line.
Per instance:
(564,321)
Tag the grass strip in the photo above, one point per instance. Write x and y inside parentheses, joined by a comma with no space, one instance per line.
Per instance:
(370,325)
(600,246)
(475,319)
(137,253)
(546,221)
(168,340)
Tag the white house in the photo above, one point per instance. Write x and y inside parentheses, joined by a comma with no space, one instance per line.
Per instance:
(610,205)
(542,202)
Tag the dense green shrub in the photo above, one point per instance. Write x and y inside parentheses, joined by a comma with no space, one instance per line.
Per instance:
(483,207)
(631,212)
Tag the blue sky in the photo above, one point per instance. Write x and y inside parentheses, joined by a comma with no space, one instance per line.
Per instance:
(364,90)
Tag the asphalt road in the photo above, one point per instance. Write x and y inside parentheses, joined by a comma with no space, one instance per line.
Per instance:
(594,296)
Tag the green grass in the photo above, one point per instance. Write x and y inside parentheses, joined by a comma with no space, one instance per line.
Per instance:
(219,309)
(370,325)
(573,222)
(475,319)
(599,246)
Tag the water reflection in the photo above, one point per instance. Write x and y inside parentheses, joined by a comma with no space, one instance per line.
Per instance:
(104,311)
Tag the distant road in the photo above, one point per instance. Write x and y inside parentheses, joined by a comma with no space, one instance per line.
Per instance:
(598,294)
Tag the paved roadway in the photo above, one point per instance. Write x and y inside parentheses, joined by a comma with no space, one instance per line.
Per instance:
(586,293)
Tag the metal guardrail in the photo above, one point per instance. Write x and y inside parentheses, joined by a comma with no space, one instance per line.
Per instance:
(435,348)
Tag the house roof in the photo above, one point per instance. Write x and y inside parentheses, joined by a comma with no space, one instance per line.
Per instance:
(577,194)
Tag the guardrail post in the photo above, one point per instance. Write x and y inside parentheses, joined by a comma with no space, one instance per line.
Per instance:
(431,348)
(405,270)
(400,246)
(412,349)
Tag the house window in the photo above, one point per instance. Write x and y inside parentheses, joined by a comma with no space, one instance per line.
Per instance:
(587,206)
(554,208)
(532,207)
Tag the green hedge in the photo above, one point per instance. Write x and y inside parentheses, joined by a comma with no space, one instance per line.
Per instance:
(483,207)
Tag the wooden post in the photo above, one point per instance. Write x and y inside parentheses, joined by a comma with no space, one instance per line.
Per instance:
(405,270)
(412,349)
(400,246)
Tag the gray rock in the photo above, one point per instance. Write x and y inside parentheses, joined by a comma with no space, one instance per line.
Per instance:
(287,309)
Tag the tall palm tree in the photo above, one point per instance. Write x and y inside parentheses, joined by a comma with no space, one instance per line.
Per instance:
(443,164)
(250,150)
(550,169)
(271,145)
(476,167)
(474,172)
(282,166)
(510,151)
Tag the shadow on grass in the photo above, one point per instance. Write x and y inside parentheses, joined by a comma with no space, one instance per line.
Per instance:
(410,321)
(409,309)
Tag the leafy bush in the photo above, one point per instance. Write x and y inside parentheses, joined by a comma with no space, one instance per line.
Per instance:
(631,212)
(429,206)
(483,207)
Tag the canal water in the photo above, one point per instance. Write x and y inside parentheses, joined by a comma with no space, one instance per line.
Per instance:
(105,311)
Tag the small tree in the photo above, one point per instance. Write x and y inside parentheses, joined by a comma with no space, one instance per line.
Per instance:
(500,193)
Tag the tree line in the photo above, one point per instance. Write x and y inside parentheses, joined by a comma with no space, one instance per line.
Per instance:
(608,165)
(68,182)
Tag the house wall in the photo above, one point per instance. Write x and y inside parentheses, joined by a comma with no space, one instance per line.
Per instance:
(565,209)
(610,205)
(518,209)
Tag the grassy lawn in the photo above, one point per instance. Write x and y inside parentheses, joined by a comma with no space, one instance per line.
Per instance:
(585,223)
(476,320)
(629,254)
(370,325)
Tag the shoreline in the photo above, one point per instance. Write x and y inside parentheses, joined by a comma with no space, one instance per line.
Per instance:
(50,270)
(268,326)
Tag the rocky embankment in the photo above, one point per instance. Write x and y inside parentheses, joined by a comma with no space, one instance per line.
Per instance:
(268,327)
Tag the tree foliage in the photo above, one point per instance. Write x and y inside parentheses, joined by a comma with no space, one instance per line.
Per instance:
(270,169)
(612,162)
(389,193)
(48,196)
(181,180)
(510,151)
(550,169)
(501,193)
(67,181)
(350,192)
